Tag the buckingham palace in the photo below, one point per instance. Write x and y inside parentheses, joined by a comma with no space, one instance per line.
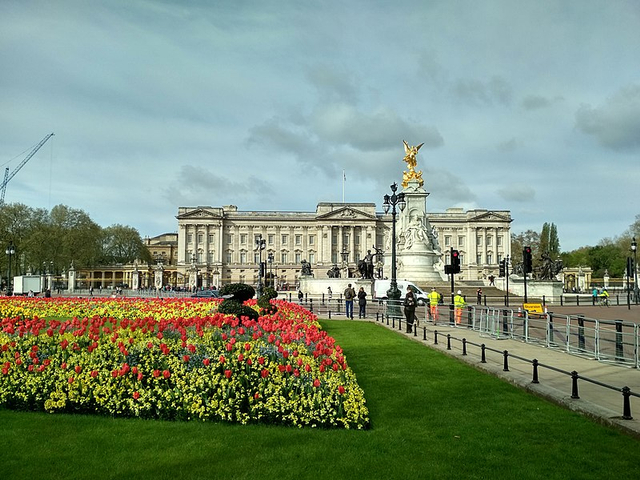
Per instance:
(220,245)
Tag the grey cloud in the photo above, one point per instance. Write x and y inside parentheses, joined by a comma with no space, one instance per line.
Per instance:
(535,102)
(517,193)
(198,186)
(616,123)
(476,92)
(333,85)
(373,131)
(509,145)
(447,186)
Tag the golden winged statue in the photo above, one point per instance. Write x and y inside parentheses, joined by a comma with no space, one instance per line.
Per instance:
(410,158)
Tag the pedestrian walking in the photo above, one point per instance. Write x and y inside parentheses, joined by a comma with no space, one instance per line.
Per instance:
(434,300)
(479,295)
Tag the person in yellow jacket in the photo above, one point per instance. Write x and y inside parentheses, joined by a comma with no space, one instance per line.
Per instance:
(434,300)
(459,304)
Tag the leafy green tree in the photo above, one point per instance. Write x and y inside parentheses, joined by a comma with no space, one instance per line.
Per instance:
(121,244)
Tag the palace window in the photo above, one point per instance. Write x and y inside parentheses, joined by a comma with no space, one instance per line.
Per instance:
(283,257)
(285,239)
(447,240)
(201,238)
(243,239)
(298,239)
(461,241)
(312,239)
(189,237)
(271,238)
(243,257)
(298,257)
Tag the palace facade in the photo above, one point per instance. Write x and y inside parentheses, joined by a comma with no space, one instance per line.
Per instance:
(220,245)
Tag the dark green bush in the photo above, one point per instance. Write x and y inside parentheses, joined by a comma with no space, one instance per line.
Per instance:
(241,292)
(233,307)
(269,292)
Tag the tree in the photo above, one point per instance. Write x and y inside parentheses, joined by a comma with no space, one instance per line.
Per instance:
(122,244)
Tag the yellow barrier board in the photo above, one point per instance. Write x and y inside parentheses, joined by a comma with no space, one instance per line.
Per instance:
(533,307)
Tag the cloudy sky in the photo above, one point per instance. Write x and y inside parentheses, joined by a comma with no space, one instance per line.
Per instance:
(528,106)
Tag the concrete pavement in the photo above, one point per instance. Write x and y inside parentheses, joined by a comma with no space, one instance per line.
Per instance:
(603,404)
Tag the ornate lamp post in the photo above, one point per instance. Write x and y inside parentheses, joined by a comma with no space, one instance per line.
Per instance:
(393,201)
(634,249)
(270,260)
(10,251)
(345,261)
(260,246)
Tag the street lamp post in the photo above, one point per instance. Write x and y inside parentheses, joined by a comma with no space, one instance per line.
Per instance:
(270,260)
(10,251)
(260,246)
(634,248)
(345,261)
(391,202)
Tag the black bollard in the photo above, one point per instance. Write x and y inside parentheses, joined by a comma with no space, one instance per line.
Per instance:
(435,337)
(464,346)
(505,367)
(484,355)
(448,341)
(550,327)
(574,385)
(535,371)
(626,405)
(311,305)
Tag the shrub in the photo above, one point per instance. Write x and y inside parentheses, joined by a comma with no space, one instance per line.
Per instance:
(233,307)
(241,292)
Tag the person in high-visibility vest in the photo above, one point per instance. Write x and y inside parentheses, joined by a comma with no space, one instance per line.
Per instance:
(434,300)
(459,304)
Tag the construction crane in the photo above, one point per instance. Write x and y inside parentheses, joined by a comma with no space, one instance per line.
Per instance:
(7,176)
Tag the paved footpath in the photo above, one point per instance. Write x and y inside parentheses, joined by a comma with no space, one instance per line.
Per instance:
(601,403)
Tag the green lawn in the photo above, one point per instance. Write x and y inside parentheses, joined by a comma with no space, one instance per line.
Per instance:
(431,417)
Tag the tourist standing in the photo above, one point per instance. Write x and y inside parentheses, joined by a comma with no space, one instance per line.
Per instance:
(349,295)
(409,308)
(479,295)
(362,303)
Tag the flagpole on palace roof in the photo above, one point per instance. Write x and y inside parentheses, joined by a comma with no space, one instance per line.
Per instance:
(344,179)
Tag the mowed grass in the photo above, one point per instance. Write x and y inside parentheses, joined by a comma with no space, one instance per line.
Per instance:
(431,417)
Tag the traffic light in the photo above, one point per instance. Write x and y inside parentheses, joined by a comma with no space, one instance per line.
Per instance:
(455,261)
(503,268)
(527,260)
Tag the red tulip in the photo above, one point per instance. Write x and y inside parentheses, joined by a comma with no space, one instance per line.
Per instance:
(70,379)
(30,368)
(166,374)
(264,373)
(94,373)
(206,362)
(227,373)
(156,373)
(136,395)
(78,368)
(341,390)
(316,383)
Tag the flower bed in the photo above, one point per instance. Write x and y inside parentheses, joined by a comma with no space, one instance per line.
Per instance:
(174,359)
